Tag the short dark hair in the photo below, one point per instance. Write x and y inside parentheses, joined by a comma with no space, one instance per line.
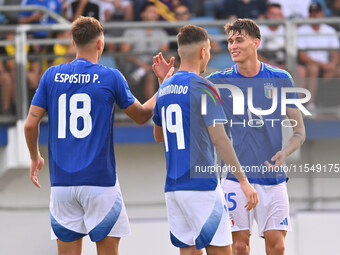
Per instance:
(85,30)
(315,7)
(273,5)
(191,34)
(248,25)
(146,5)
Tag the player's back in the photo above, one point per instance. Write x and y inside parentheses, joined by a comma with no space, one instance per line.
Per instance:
(187,144)
(79,97)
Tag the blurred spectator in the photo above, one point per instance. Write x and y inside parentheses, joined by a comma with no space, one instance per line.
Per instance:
(147,42)
(293,8)
(182,13)
(33,68)
(165,8)
(62,49)
(272,47)
(196,7)
(107,58)
(12,16)
(103,10)
(87,8)
(320,63)
(334,6)
(215,8)
(218,61)
(252,9)
(7,91)
(120,10)
(325,8)
(37,17)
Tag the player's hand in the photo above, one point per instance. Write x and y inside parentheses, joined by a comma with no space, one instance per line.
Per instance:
(250,193)
(160,67)
(278,158)
(36,165)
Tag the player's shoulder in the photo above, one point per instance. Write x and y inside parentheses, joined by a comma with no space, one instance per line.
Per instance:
(276,72)
(222,74)
(108,72)
(53,69)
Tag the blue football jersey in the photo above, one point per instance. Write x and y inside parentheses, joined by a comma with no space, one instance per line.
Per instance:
(80,97)
(188,149)
(256,138)
(52,5)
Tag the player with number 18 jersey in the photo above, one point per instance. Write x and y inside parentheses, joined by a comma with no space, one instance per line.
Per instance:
(80,97)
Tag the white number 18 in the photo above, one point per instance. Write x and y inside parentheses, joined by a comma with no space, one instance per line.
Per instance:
(83,112)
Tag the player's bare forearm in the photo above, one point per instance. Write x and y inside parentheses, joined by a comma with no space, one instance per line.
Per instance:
(294,142)
(158,133)
(299,133)
(226,150)
(31,135)
(141,113)
(149,106)
(32,130)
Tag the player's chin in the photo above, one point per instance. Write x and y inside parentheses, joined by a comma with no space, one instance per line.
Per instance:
(234,58)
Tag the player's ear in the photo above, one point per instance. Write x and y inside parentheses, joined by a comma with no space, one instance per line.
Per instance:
(73,43)
(202,52)
(99,44)
(257,42)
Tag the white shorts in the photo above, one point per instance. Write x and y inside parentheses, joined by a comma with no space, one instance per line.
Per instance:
(271,213)
(80,210)
(198,218)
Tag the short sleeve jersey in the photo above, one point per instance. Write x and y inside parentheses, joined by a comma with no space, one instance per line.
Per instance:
(188,148)
(80,97)
(256,138)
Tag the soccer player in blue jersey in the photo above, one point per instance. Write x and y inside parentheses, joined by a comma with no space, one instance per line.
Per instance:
(197,211)
(79,98)
(257,138)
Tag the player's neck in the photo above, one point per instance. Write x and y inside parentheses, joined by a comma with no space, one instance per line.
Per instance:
(249,68)
(90,56)
(190,66)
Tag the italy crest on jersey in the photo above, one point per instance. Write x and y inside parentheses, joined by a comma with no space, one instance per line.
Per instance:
(268,90)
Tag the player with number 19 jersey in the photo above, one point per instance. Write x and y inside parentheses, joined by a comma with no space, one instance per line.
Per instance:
(80,97)
(187,144)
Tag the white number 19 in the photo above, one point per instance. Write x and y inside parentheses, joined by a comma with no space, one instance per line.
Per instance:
(167,124)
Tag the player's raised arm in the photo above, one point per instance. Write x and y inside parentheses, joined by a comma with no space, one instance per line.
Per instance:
(141,113)
(32,133)
(161,68)
(226,151)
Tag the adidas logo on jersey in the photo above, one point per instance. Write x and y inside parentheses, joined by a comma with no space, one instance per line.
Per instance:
(284,222)
(232,221)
